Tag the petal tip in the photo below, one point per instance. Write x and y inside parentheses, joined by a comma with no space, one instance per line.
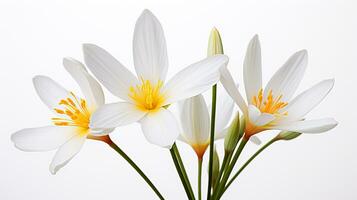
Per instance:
(256,38)
(53,170)
(39,78)
(146,11)
(303,52)
(214,30)
(334,122)
(88,46)
(147,14)
(67,60)
(331,80)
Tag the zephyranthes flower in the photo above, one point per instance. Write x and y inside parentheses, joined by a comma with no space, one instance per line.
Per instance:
(272,107)
(147,95)
(72,124)
(195,121)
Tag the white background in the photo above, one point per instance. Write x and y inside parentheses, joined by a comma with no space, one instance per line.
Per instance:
(35,35)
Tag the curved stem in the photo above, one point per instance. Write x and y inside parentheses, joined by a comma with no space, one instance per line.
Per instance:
(107,140)
(213,119)
(175,154)
(248,161)
(199,178)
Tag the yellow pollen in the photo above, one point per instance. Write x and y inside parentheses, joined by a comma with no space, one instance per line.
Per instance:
(74,112)
(147,96)
(270,104)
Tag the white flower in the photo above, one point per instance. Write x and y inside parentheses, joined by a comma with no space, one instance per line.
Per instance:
(272,107)
(147,95)
(71,125)
(195,121)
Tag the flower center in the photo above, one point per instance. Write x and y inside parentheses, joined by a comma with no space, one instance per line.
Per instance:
(147,96)
(74,112)
(270,105)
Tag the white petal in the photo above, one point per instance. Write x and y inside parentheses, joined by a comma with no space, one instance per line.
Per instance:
(220,134)
(182,139)
(42,138)
(252,69)
(232,89)
(264,119)
(286,80)
(160,128)
(90,87)
(257,118)
(195,120)
(110,72)
(309,126)
(149,48)
(255,140)
(253,112)
(66,152)
(224,110)
(49,91)
(306,101)
(99,131)
(114,115)
(194,79)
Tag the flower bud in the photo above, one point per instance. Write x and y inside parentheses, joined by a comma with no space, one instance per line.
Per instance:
(215,167)
(241,127)
(215,43)
(232,136)
(287,135)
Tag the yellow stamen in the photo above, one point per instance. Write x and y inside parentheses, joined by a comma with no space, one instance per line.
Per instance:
(75,113)
(270,104)
(147,96)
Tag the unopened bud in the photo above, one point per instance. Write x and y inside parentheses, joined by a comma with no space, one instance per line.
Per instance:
(232,135)
(241,126)
(287,135)
(215,43)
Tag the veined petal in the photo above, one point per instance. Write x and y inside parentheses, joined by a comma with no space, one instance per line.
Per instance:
(90,87)
(109,71)
(224,109)
(195,120)
(306,101)
(114,115)
(257,118)
(42,138)
(252,69)
(232,89)
(194,79)
(308,126)
(66,152)
(160,128)
(149,48)
(49,91)
(286,80)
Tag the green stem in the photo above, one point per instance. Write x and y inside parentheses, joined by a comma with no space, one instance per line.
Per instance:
(248,161)
(226,160)
(230,167)
(213,119)
(132,163)
(181,171)
(199,178)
